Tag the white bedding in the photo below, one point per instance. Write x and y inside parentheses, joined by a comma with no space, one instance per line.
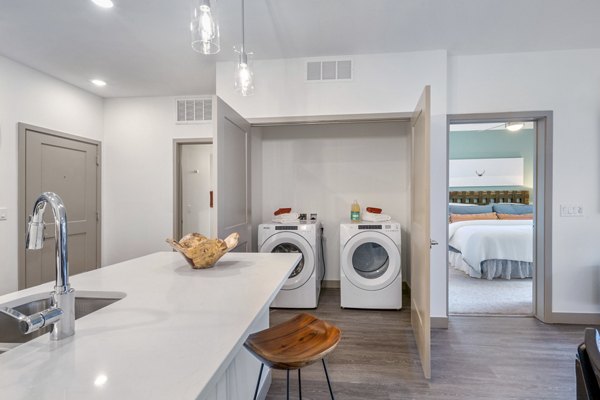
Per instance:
(482,240)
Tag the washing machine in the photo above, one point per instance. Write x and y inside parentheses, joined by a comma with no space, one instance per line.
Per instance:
(303,286)
(370,275)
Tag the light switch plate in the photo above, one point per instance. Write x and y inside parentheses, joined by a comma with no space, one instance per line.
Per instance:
(571,210)
(3,214)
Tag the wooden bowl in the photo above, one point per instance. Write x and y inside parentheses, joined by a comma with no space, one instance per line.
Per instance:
(201,252)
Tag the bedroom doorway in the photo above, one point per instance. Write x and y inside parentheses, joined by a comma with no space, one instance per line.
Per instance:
(490,231)
(498,206)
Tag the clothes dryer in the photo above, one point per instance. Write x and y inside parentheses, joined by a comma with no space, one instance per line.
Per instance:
(370,266)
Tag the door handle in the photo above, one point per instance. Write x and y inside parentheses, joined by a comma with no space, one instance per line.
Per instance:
(432,243)
(211,199)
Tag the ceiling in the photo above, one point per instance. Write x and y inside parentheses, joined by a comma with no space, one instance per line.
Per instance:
(142,47)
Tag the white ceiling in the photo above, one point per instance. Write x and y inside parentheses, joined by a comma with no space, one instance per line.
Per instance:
(141,47)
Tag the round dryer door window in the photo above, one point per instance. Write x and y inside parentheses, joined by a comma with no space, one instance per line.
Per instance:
(370,260)
(289,242)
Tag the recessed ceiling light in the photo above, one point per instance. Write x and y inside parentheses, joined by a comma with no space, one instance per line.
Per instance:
(98,82)
(100,380)
(103,3)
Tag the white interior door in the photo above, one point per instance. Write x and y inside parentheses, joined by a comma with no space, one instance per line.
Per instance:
(195,171)
(231,171)
(420,231)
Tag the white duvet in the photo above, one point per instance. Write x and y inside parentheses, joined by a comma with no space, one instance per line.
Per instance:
(482,240)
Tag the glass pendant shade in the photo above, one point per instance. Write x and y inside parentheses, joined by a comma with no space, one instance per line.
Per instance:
(205,27)
(244,78)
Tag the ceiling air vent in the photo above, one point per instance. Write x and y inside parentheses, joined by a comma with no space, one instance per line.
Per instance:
(329,70)
(191,111)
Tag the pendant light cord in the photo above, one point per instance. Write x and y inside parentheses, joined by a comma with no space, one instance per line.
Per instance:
(243,29)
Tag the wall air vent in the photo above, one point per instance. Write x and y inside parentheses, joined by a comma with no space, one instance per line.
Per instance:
(193,110)
(329,70)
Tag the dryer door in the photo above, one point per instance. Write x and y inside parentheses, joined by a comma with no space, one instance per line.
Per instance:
(289,242)
(370,260)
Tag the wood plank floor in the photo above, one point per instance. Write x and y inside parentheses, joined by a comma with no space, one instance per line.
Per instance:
(475,358)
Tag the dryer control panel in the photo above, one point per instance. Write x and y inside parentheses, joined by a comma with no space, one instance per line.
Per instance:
(384,226)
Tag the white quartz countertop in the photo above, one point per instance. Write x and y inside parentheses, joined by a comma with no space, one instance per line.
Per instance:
(172,334)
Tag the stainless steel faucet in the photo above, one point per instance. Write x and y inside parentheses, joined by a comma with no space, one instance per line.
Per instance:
(61,315)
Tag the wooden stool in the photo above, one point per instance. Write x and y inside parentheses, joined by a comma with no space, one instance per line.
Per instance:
(294,344)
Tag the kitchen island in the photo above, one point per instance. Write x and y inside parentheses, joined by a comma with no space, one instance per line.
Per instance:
(177,333)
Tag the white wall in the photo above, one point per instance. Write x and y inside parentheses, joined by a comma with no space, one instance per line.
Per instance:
(31,97)
(323,168)
(381,83)
(138,174)
(567,82)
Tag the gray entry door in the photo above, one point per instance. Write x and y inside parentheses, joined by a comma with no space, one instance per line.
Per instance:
(68,167)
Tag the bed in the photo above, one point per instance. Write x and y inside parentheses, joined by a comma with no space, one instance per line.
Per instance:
(493,241)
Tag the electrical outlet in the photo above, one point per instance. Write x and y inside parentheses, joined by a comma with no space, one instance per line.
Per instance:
(3,214)
(571,210)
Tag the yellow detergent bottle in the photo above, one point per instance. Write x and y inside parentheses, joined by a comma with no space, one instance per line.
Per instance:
(355,212)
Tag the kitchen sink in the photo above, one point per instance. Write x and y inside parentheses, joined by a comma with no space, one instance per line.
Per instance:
(86,302)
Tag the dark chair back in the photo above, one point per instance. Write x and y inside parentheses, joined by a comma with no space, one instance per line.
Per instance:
(587,366)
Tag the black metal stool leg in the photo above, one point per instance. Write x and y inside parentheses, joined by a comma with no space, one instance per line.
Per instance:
(299,385)
(288,385)
(327,376)
(258,383)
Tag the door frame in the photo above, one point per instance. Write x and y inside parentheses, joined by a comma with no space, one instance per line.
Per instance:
(177,212)
(330,119)
(22,208)
(542,282)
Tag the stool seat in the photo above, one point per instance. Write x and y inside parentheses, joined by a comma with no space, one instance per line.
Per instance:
(295,343)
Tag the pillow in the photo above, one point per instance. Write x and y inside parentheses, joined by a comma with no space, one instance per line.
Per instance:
(472,217)
(515,216)
(470,209)
(512,208)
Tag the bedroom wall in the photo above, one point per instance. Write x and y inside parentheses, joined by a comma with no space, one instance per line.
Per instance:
(32,97)
(567,82)
(324,168)
(138,174)
(494,144)
(381,83)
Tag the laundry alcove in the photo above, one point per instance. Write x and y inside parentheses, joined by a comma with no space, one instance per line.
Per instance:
(322,168)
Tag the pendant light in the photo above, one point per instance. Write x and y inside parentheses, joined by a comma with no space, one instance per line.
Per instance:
(244,78)
(205,27)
